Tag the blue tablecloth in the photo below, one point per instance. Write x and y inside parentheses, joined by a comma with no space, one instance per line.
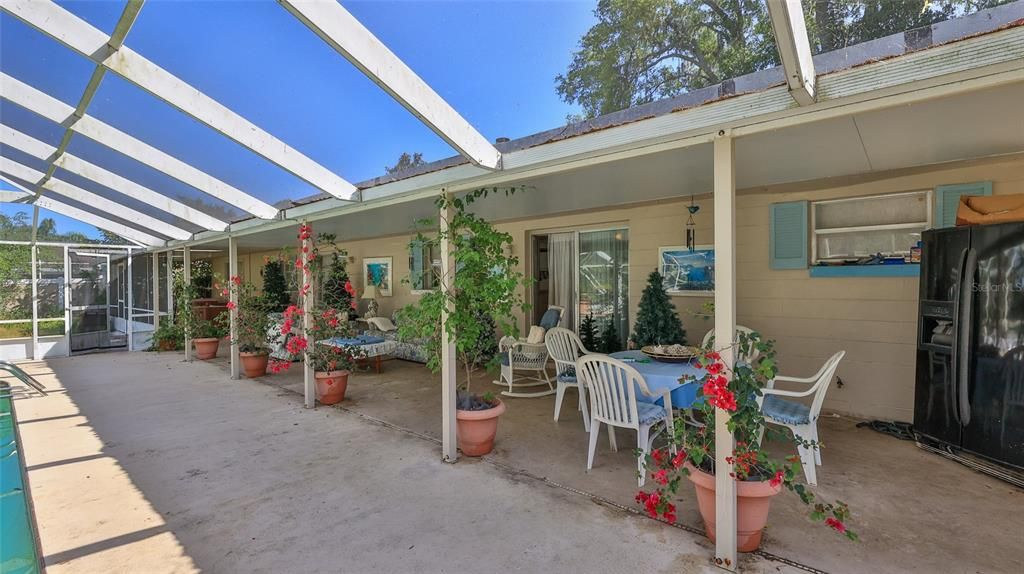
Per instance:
(355,341)
(660,376)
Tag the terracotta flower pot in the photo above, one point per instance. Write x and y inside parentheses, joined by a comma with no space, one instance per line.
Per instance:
(254,364)
(206,348)
(753,500)
(330,386)
(475,430)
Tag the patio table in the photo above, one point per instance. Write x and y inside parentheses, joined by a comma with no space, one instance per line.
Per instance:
(659,376)
(374,347)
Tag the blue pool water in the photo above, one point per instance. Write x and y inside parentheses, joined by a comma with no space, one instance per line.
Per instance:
(17,540)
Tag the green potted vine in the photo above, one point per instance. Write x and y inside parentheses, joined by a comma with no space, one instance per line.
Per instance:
(484,294)
(204,333)
(168,337)
(759,475)
(252,325)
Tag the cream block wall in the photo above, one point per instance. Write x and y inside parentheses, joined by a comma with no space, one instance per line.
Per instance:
(873,319)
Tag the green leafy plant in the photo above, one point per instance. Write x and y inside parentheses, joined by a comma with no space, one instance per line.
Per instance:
(487,283)
(589,335)
(275,284)
(169,334)
(657,322)
(337,289)
(253,320)
(736,390)
(609,341)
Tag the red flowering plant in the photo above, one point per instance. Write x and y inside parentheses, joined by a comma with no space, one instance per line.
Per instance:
(253,310)
(735,390)
(323,341)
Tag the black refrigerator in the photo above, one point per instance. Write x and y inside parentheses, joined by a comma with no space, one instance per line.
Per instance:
(969,393)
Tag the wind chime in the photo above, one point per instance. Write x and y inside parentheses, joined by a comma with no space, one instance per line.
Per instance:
(691,227)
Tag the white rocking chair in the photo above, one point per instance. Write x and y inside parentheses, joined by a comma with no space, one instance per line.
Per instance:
(519,356)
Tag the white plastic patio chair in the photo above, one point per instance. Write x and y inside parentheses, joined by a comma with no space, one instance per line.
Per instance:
(801,419)
(749,359)
(612,386)
(565,347)
(518,356)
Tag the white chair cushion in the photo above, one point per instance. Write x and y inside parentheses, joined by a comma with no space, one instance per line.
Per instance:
(536,336)
(382,324)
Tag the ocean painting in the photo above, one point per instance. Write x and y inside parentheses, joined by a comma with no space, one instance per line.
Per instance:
(689,272)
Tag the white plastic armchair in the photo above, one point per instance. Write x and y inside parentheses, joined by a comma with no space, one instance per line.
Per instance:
(749,358)
(801,419)
(613,386)
(565,347)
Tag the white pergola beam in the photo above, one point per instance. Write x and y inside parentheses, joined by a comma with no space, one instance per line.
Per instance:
(343,32)
(80,195)
(76,165)
(80,36)
(92,219)
(794,49)
(57,111)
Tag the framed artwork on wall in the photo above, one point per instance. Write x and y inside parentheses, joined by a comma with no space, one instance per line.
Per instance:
(377,272)
(688,272)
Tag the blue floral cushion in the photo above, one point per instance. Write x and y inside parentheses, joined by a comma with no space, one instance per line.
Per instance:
(550,319)
(649,412)
(567,377)
(787,412)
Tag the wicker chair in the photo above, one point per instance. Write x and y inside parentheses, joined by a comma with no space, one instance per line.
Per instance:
(524,364)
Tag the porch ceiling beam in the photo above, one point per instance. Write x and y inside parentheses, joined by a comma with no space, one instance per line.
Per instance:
(58,207)
(57,111)
(80,36)
(41,150)
(343,32)
(787,18)
(80,195)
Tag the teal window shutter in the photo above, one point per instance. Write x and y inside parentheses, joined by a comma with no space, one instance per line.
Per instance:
(947,199)
(788,235)
(416,267)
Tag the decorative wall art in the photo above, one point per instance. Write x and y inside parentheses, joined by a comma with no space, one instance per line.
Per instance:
(688,270)
(377,272)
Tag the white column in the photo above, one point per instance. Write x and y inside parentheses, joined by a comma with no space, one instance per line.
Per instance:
(35,284)
(309,383)
(233,313)
(156,291)
(186,275)
(449,385)
(67,298)
(130,305)
(170,286)
(725,329)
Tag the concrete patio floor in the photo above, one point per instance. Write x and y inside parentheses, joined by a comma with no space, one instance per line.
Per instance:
(139,462)
(142,463)
(914,511)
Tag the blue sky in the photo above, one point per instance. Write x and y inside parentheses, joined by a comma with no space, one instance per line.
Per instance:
(495,62)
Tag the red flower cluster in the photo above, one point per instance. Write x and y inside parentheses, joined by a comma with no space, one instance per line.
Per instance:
(836,525)
(277,365)
(743,460)
(231,305)
(656,505)
(350,289)
(237,280)
(296,345)
(716,389)
(777,479)
(305,232)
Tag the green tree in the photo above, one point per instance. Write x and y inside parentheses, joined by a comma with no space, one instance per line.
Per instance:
(656,320)
(405,161)
(609,342)
(589,335)
(640,51)
(337,292)
(275,285)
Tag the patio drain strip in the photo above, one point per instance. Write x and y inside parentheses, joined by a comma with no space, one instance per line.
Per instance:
(597,499)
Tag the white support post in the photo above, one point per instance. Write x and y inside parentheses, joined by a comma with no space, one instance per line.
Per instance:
(170,286)
(35,285)
(186,277)
(308,382)
(449,385)
(130,306)
(233,312)
(67,298)
(787,18)
(725,334)
(156,291)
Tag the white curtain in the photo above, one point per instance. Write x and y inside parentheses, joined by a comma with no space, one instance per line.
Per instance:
(562,279)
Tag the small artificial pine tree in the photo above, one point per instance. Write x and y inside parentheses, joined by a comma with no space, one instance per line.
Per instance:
(588,333)
(337,287)
(610,342)
(656,321)
(275,286)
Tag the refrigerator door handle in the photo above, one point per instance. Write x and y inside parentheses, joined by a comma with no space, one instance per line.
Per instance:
(964,342)
(954,361)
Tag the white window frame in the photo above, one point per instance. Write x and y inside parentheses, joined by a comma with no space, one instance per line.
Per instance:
(815,232)
(434,265)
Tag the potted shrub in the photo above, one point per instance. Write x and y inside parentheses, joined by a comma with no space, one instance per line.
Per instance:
(253,324)
(484,294)
(168,337)
(759,475)
(207,334)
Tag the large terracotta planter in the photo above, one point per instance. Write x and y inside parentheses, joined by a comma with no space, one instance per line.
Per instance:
(475,430)
(330,386)
(254,364)
(753,500)
(206,348)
